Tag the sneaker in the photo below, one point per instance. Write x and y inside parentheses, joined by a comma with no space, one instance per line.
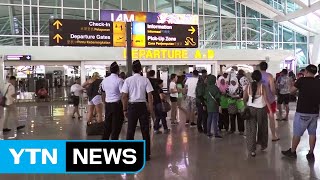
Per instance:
(253,154)
(200,130)
(310,157)
(187,122)
(241,133)
(148,158)
(6,130)
(193,124)
(289,153)
(263,148)
(20,127)
(210,135)
(174,123)
(166,131)
(218,136)
(157,132)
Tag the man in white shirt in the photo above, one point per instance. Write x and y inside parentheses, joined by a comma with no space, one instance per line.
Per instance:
(190,86)
(111,86)
(76,90)
(10,118)
(135,104)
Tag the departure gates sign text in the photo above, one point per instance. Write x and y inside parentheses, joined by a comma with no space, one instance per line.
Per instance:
(66,32)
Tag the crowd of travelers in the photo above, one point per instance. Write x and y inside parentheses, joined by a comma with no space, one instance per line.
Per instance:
(217,106)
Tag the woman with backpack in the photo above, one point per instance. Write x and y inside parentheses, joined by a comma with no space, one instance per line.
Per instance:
(95,102)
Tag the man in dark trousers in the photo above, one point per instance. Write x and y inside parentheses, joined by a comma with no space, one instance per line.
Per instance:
(112,86)
(200,103)
(135,104)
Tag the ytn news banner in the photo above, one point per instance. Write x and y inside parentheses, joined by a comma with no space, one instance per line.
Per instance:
(64,156)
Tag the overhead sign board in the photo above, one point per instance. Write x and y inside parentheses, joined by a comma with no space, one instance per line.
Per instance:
(18,57)
(164,35)
(170,54)
(66,32)
(148,17)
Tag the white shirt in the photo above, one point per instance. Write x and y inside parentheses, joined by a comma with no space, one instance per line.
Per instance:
(191,84)
(137,86)
(9,90)
(76,89)
(112,86)
(173,85)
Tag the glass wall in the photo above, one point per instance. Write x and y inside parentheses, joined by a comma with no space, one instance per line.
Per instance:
(222,23)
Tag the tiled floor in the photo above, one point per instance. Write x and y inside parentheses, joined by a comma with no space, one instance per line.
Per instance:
(183,154)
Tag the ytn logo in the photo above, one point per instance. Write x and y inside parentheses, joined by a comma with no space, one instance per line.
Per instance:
(32,153)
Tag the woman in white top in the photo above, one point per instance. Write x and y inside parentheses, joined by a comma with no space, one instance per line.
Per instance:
(256,98)
(76,91)
(173,98)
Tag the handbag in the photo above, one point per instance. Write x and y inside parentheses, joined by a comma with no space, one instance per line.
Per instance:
(95,128)
(3,98)
(246,114)
(214,99)
(71,98)
(232,108)
(166,107)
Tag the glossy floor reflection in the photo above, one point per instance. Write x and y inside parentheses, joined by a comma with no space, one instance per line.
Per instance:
(184,154)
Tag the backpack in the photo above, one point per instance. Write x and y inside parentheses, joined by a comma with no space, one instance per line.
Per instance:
(3,98)
(90,90)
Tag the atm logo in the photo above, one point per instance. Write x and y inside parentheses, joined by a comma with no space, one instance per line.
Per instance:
(60,157)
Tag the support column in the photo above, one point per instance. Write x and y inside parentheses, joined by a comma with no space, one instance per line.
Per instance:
(2,78)
(273,66)
(11,71)
(315,56)
(129,49)
(154,67)
(82,72)
(214,69)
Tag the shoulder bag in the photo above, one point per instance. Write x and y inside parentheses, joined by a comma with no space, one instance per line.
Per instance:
(71,98)
(3,98)
(232,108)
(95,128)
(215,100)
(166,107)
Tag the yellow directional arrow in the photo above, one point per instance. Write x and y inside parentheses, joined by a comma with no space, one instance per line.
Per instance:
(192,30)
(57,24)
(57,37)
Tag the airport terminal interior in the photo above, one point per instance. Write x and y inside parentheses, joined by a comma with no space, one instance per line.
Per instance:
(223,37)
